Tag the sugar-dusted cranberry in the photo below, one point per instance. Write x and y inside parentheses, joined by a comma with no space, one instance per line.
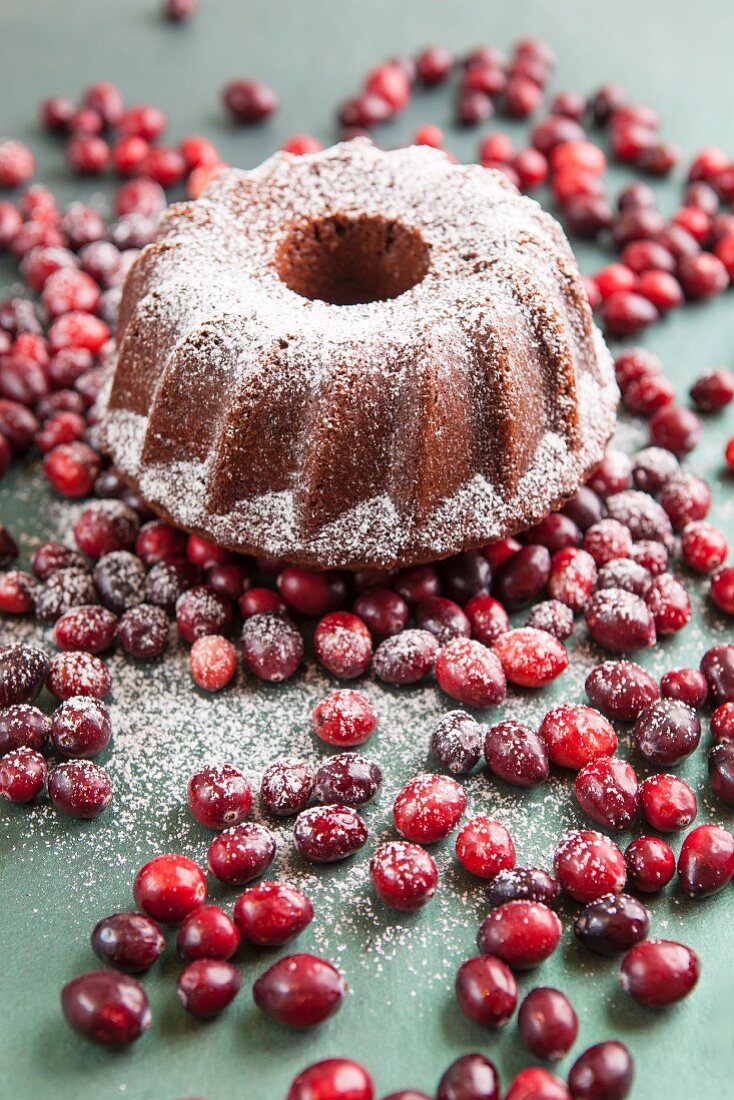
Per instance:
(407,657)
(522,933)
(612,923)
(676,428)
(428,808)
(272,647)
(484,847)
(706,861)
(530,658)
(523,884)
(327,834)
(23,669)
(659,972)
(456,742)
(722,589)
(81,727)
(348,779)
(272,913)
(687,684)
(167,581)
(344,718)
(207,933)
(219,796)
(170,887)
(106,526)
(548,1025)
(608,792)
(588,865)
(603,1072)
(64,590)
(685,497)
(523,576)
(469,672)
(487,617)
(300,991)
(80,788)
(516,753)
(108,1008)
(717,665)
(644,395)
(573,575)
(668,802)
(145,120)
(206,986)
(241,853)
(713,390)
(128,941)
(143,631)
(286,787)
(71,468)
(404,875)
(212,662)
(486,991)
(119,578)
(625,573)
(89,628)
(552,617)
(621,689)
(650,864)
(384,611)
(635,363)
(343,645)
(604,541)
(576,734)
(652,467)
(201,611)
(332,1079)
(23,726)
(619,621)
(669,603)
(443,618)
(17,591)
(612,475)
(643,517)
(722,722)
(667,731)
(23,775)
(703,547)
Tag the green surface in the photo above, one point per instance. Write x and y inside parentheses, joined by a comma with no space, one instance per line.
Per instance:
(59,878)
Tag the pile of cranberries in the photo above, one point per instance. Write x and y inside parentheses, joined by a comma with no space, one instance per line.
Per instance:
(612,564)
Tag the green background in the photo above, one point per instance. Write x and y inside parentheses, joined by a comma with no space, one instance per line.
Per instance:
(58,878)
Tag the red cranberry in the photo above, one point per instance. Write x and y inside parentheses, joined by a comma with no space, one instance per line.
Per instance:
(714,390)
(470,1077)
(106,526)
(300,991)
(488,619)
(23,726)
(635,363)
(703,547)
(143,631)
(81,727)
(384,611)
(612,923)
(71,468)
(201,611)
(417,584)
(721,771)
(722,722)
(404,875)
(333,1079)
(406,658)
(547,1023)
(428,808)
(650,864)
(229,580)
(17,164)
(344,718)
(522,933)
(619,621)
(272,913)
(668,601)
(534,1083)
(668,803)
(50,557)
(22,672)
(722,590)
(260,601)
(552,617)
(207,986)
(309,593)
(109,1009)
(128,941)
(343,645)
(465,576)
(207,933)
(80,788)
(22,775)
(456,742)
(607,791)
(433,65)
(486,991)
(626,313)
(327,834)
(604,541)
(241,854)
(717,665)
(676,428)
(219,796)
(706,861)
(603,1072)
(16,592)
(169,887)
(659,972)
(530,658)
(667,731)
(572,576)
(249,100)
(556,532)
(703,275)
(576,734)
(212,662)
(644,395)
(652,555)
(88,628)
(272,647)
(466,670)
(621,689)
(686,684)
(685,497)
(589,865)
(523,576)
(348,779)
(157,541)
(443,618)
(516,753)
(484,847)
(286,787)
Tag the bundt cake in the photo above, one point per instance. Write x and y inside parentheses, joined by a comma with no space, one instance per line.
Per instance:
(357,359)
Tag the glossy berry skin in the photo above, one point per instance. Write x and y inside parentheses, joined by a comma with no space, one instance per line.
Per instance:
(722,589)
(249,101)
(286,787)
(300,991)
(608,792)
(717,665)
(484,847)
(333,1079)
(612,923)
(619,621)
(603,1072)
(470,673)
(443,618)
(667,732)
(80,789)
(522,933)
(327,834)
(621,689)
(721,771)
(668,803)
(241,854)
(486,991)
(547,1023)
(405,876)
(207,933)
(202,611)
(272,913)
(108,1008)
(23,726)
(348,778)
(535,1083)
(576,734)
(310,593)
(516,753)
(169,887)
(687,684)
(219,796)
(588,865)
(488,619)
(384,611)
(659,972)
(81,727)
(207,986)
(128,941)
(345,718)
(706,861)
(428,808)
(470,1077)
(650,864)
(523,884)
(456,742)
(22,775)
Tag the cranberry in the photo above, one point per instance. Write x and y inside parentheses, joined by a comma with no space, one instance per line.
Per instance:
(157,541)
(106,526)
(703,275)
(685,497)
(348,779)
(621,689)
(23,726)
(484,847)
(607,791)
(573,574)
(675,428)
(706,861)
(260,601)
(80,788)
(169,887)
(300,991)
(470,1077)
(109,1009)
(516,753)
(627,574)
(62,591)
(443,618)
(523,884)
(433,65)
(428,808)
(241,853)
(456,742)
(722,589)
(417,584)
(668,601)
(119,578)
(659,972)
(686,684)
(327,834)
(406,658)
(22,672)
(667,731)
(603,1072)
(16,592)
(468,671)
(486,991)
(714,390)
(310,593)
(17,164)
(641,515)
(522,933)
(650,864)
(717,665)
(604,541)
(534,1083)
(488,619)
(589,865)
(547,1023)
(167,581)
(530,658)
(465,576)
(576,734)
(129,941)
(584,508)
(332,1079)
(143,631)
(272,913)
(703,547)
(179,11)
(207,986)
(201,611)
(22,775)
(612,923)
(652,555)
(212,662)
(207,933)
(721,771)
(619,621)
(219,796)
(344,718)
(286,787)
(88,628)
(71,468)
(523,576)
(272,647)
(384,611)
(644,395)
(343,645)
(404,875)
(552,617)
(81,727)
(722,722)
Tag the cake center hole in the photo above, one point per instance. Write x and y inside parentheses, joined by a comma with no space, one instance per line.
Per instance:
(349,261)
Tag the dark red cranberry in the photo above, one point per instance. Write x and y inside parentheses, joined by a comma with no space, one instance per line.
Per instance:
(627,574)
(626,313)
(229,580)
(486,991)
(157,541)
(417,584)
(488,619)
(714,390)
(23,670)
(668,803)
(105,526)
(465,576)
(249,101)
(207,933)
(603,1072)
(327,834)
(547,1023)
(522,933)
(259,601)
(470,1077)
(484,847)
(443,618)
(721,771)
(332,1079)
(686,684)
(119,579)
(201,611)
(384,611)
(608,792)
(22,775)
(706,861)
(80,788)
(89,628)
(286,787)
(343,644)
(516,753)
(612,923)
(524,576)
(81,727)
(109,1009)
(589,865)
(621,689)
(576,734)
(143,631)
(667,731)
(553,617)
(241,854)
(300,991)
(619,621)
(348,779)
(405,658)
(703,275)
(129,941)
(207,986)
(650,864)
(523,884)
(169,887)
(309,593)
(676,428)
(456,742)
(63,590)
(584,508)
(272,647)
(652,555)
(23,726)
(219,796)
(433,65)
(641,515)
(717,665)
(272,913)
(659,972)
(428,808)
(404,875)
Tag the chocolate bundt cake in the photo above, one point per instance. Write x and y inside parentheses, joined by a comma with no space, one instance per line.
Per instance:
(357,358)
